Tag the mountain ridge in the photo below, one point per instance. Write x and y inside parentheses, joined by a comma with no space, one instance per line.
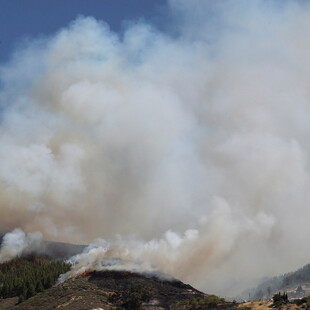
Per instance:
(108,289)
(295,283)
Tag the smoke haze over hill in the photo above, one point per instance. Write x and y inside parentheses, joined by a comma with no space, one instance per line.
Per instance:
(187,150)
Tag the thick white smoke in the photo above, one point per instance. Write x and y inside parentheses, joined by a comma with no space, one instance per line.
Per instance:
(17,243)
(193,147)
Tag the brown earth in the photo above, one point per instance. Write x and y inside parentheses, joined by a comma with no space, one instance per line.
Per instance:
(267,305)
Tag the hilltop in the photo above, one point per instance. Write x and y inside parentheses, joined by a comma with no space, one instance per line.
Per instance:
(118,290)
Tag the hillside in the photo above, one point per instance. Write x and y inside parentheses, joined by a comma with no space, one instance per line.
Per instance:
(268,305)
(25,277)
(109,290)
(118,290)
(296,284)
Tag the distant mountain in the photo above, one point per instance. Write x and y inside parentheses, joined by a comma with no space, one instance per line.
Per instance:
(296,284)
(59,250)
(55,250)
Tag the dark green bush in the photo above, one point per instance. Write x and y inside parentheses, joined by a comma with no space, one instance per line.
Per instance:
(279,299)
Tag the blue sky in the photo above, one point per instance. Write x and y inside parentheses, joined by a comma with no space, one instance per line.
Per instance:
(32,18)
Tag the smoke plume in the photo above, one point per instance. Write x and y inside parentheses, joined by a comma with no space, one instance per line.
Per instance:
(186,150)
(18,243)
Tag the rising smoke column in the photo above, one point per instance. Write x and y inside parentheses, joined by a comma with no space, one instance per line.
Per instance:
(18,243)
(186,149)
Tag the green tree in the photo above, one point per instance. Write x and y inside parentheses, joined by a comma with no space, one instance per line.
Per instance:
(25,277)
(280,299)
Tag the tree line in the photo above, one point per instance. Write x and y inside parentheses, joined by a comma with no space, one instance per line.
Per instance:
(25,277)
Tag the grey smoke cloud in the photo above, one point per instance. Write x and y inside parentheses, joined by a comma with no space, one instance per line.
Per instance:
(149,136)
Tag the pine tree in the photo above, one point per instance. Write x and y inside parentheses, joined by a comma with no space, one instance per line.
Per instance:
(26,277)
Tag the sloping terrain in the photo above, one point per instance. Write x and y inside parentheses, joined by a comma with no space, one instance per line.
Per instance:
(296,284)
(24,277)
(72,295)
(123,290)
(267,305)
(152,290)
(112,290)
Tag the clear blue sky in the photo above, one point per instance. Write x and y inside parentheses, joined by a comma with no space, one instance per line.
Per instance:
(22,18)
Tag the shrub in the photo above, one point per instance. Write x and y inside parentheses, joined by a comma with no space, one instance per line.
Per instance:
(279,299)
